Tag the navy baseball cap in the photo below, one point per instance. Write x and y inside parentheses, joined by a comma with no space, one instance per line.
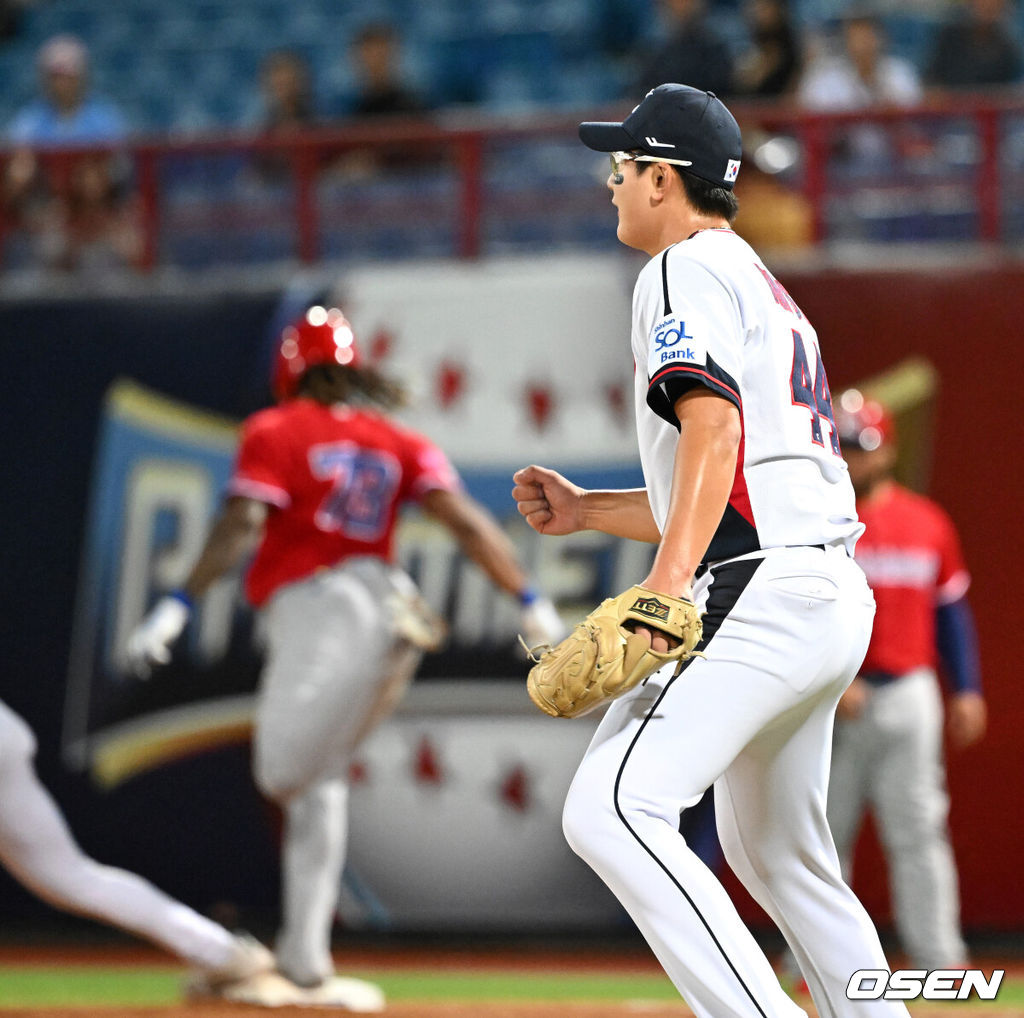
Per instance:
(682,124)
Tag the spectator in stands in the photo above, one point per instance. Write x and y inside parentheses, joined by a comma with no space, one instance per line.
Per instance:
(975,50)
(862,74)
(770,67)
(286,95)
(694,53)
(66,112)
(95,228)
(381,90)
(284,107)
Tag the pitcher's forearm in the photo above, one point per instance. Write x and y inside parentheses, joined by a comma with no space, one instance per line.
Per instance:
(626,513)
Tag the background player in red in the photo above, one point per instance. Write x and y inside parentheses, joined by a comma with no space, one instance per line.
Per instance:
(317,485)
(888,739)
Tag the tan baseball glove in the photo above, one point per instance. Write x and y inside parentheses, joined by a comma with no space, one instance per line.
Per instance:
(600,659)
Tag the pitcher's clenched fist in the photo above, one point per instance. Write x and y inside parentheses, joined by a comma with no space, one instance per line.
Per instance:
(551,503)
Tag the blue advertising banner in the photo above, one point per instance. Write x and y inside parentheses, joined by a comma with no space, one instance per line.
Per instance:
(158,475)
(111,487)
(159,472)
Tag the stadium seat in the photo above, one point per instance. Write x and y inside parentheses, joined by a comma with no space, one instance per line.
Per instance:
(501,52)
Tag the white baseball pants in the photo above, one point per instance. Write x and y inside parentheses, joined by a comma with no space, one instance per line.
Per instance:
(891,758)
(38,849)
(785,632)
(335,668)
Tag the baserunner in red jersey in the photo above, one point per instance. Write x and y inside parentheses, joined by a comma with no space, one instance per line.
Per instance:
(317,486)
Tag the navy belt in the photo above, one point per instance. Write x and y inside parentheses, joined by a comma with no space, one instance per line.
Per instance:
(705,566)
(878,678)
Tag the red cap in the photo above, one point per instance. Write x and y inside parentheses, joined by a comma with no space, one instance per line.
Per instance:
(861,422)
(320,336)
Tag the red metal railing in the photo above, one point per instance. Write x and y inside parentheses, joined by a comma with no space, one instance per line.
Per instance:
(813,130)
(467,147)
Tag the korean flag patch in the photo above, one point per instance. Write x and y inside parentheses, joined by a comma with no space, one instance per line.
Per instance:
(732,170)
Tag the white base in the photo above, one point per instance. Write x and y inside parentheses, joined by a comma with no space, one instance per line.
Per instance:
(271,989)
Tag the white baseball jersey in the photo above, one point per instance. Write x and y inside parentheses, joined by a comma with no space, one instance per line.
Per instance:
(707,312)
(787,618)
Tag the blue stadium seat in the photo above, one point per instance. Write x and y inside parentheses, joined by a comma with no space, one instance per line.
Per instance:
(39,22)
(522,69)
(910,36)
(575,25)
(501,17)
(244,29)
(437,22)
(78,19)
(158,110)
(587,82)
(308,24)
(459,51)
(18,73)
(120,35)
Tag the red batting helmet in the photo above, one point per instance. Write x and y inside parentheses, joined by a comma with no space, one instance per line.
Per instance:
(861,422)
(320,336)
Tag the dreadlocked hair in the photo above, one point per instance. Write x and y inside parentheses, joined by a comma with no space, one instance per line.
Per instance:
(362,384)
(376,387)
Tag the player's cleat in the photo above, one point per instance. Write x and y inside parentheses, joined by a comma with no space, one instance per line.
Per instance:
(352,994)
(271,989)
(249,959)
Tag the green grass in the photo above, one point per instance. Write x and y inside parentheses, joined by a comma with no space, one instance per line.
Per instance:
(523,986)
(53,986)
(1012,992)
(133,986)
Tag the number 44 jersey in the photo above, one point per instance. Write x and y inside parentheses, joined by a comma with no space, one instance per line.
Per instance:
(335,478)
(707,312)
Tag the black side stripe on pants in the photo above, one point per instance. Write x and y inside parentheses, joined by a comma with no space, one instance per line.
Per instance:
(730,580)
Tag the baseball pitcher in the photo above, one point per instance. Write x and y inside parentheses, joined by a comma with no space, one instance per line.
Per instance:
(749,503)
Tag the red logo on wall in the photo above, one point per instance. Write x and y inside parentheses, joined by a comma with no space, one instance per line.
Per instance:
(540,403)
(451,383)
(427,766)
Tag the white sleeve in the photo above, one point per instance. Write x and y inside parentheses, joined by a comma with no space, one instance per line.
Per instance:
(694,338)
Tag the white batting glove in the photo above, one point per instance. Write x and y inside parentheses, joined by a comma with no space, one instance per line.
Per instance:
(150,642)
(540,623)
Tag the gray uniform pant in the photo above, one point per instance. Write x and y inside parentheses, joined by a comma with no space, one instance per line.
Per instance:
(335,668)
(891,759)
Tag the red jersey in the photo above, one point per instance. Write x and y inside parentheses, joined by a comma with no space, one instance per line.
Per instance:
(335,477)
(911,556)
